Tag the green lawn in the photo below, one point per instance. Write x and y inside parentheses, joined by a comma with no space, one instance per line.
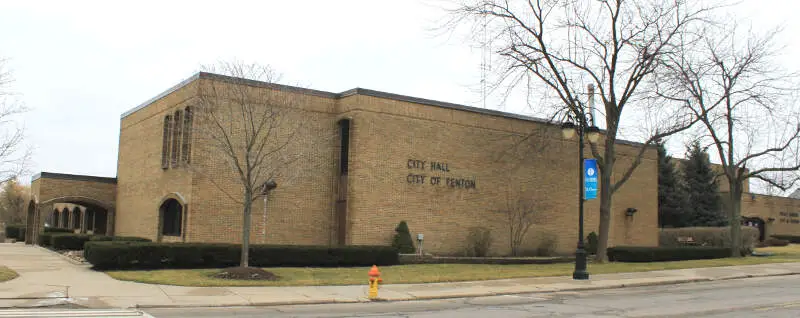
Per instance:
(431,273)
(7,274)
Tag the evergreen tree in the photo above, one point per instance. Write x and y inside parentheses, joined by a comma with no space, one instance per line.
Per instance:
(702,190)
(402,239)
(672,199)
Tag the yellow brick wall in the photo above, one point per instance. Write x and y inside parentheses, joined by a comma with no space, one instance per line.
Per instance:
(141,182)
(785,213)
(386,134)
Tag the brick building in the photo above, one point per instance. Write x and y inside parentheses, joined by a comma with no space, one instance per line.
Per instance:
(367,160)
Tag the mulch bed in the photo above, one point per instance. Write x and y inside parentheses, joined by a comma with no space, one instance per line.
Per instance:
(246,273)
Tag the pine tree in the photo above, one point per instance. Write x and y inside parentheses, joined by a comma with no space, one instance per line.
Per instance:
(702,190)
(672,199)
(402,239)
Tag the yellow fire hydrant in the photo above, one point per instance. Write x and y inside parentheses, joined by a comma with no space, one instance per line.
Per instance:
(374,279)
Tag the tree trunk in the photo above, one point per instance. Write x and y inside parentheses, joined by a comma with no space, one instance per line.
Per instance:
(605,200)
(735,197)
(605,215)
(248,205)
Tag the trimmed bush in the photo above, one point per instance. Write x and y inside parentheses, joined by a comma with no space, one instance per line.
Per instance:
(791,238)
(58,230)
(772,241)
(479,240)
(591,243)
(143,255)
(16,231)
(105,238)
(45,238)
(402,240)
(709,236)
(664,254)
(67,241)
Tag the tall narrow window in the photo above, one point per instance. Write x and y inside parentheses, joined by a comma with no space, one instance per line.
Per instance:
(344,134)
(176,138)
(186,149)
(171,213)
(166,142)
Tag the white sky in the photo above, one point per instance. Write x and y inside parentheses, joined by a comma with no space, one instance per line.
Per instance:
(80,64)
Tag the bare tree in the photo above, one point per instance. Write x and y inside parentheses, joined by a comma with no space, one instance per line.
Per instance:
(557,48)
(253,127)
(746,104)
(521,212)
(14,155)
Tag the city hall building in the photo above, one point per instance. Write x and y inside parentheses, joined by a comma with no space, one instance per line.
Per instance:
(369,160)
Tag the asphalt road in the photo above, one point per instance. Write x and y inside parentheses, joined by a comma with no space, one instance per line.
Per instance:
(755,297)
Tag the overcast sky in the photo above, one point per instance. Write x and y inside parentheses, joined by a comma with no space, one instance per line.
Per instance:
(79,64)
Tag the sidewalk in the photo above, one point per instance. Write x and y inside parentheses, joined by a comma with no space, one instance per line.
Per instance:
(48,279)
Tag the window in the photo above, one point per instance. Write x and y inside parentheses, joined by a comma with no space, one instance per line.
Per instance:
(176,138)
(171,217)
(76,218)
(64,218)
(187,136)
(166,142)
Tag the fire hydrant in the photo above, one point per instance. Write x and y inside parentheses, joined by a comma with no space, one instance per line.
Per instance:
(374,279)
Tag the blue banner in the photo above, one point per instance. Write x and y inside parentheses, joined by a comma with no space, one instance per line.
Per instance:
(590,179)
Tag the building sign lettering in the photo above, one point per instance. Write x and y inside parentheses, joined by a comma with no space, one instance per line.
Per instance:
(418,176)
(790,218)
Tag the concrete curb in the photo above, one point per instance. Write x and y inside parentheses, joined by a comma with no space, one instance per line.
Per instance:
(538,290)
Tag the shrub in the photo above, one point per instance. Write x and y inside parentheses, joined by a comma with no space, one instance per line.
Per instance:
(45,238)
(709,236)
(144,255)
(547,245)
(772,241)
(67,241)
(663,254)
(591,243)
(58,230)
(103,238)
(791,238)
(402,240)
(479,240)
(16,231)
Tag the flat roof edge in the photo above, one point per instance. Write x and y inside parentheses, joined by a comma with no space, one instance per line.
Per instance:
(74,177)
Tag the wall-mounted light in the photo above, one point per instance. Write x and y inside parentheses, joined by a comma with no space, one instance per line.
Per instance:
(630,211)
(752,196)
(771,219)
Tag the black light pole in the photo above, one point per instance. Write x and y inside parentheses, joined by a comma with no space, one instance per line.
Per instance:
(582,128)
(580,253)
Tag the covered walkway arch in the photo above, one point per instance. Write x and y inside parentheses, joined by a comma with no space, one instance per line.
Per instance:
(95,194)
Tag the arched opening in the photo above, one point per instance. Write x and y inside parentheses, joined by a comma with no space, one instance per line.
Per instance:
(756,223)
(53,220)
(170,218)
(30,227)
(64,218)
(76,218)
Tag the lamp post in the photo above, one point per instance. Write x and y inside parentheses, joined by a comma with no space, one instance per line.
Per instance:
(568,129)
(265,189)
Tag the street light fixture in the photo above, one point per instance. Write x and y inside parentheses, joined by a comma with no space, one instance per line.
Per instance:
(577,122)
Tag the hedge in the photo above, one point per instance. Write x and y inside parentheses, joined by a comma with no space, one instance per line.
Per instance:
(663,254)
(16,231)
(708,236)
(45,238)
(791,238)
(139,255)
(67,241)
(105,238)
